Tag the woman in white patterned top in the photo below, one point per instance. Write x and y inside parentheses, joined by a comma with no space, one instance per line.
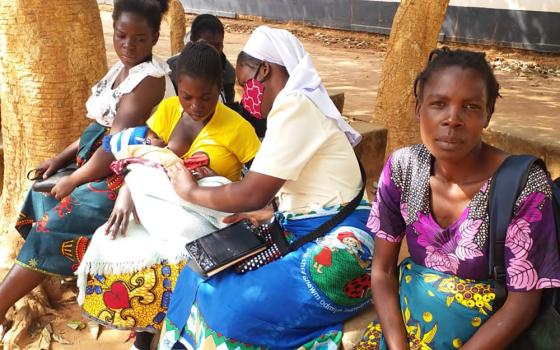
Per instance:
(57,227)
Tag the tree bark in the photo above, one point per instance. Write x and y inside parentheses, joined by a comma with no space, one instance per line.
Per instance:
(1,157)
(414,34)
(51,54)
(177,26)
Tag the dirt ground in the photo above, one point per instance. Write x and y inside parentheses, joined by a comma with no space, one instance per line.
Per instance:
(351,62)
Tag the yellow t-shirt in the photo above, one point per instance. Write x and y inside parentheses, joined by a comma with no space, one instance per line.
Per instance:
(227,139)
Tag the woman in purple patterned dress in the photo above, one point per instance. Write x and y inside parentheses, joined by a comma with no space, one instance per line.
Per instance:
(436,195)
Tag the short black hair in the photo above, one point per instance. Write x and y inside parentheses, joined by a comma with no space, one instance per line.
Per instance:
(200,60)
(151,10)
(445,57)
(206,23)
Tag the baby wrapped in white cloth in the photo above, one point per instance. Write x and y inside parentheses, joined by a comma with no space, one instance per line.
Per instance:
(167,222)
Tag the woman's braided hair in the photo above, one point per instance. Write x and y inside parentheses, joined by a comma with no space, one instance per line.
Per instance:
(445,57)
(200,60)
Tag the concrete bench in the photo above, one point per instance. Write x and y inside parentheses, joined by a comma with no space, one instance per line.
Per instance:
(371,152)
(529,143)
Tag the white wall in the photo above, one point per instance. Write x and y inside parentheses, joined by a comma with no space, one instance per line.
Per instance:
(522,5)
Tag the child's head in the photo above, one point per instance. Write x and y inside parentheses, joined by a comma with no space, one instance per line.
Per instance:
(154,139)
(199,80)
(209,28)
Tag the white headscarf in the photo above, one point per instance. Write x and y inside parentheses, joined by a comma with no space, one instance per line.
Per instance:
(281,47)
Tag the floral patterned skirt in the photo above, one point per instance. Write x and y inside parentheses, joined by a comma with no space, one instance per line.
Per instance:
(440,311)
(57,233)
(137,301)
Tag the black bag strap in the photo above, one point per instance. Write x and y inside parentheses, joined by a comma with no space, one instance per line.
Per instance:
(336,219)
(507,184)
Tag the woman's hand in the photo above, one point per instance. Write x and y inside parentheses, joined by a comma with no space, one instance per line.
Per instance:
(51,166)
(64,187)
(202,172)
(182,180)
(256,217)
(120,216)
(517,313)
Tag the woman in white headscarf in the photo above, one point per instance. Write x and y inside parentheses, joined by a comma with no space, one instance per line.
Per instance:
(307,163)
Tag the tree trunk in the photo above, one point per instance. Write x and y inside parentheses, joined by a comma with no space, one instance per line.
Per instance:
(414,34)
(177,26)
(1,156)
(51,53)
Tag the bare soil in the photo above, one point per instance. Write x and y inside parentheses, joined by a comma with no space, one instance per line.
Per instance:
(342,39)
(351,62)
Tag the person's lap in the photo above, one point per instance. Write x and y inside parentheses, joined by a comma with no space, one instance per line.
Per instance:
(57,233)
(283,304)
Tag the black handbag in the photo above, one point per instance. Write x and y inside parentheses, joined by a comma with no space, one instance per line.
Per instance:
(46,185)
(506,186)
(276,237)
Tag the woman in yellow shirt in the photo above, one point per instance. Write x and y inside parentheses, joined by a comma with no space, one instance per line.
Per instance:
(226,139)
(127,283)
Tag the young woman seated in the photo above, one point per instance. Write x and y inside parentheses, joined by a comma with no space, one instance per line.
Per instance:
(131,289)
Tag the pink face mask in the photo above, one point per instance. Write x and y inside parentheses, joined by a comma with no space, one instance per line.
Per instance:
(252,96)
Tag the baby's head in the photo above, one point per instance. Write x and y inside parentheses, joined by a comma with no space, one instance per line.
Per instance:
(140,135)
(154,139)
